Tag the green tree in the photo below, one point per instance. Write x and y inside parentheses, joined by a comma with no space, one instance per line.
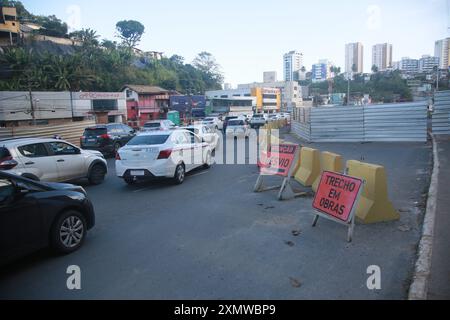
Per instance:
(130,32)
(374,69)
(89,37)
(206,63)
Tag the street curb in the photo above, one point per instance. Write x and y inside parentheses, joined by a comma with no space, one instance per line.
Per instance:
(419,286)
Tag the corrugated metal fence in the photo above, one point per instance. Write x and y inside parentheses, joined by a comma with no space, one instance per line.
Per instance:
(387,122)
(441,113)
(70,132)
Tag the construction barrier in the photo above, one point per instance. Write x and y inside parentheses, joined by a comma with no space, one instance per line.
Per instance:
(308,169)
(374,205)
(328,162)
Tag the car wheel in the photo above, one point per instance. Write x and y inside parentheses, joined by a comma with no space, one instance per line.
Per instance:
(129,181)
(208,161)
(68,232)
(180,173)
(97,174)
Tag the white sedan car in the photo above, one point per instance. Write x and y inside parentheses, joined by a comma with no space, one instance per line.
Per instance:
(213,122)
(208,135)
(237,128)
(168,154)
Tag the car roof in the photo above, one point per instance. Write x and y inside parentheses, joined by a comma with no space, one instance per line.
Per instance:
(156,121)
(20,141)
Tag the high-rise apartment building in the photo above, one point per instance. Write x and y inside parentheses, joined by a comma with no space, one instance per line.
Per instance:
(382,56)
(292,64)
(354,57)
(321,71)
(442,51)
(427,63)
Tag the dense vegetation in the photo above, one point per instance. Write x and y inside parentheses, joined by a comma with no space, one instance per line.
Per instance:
(382,87)
(100,65)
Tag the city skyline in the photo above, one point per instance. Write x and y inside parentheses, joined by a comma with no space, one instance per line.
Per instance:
(256,47)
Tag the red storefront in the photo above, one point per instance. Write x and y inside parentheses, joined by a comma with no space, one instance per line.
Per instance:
(145,103)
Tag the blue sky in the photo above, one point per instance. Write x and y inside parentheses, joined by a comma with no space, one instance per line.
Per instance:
(248,37)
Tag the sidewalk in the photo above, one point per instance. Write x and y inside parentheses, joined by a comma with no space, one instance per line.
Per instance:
(439,285)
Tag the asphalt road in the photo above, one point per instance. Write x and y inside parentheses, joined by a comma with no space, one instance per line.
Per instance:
(213,238)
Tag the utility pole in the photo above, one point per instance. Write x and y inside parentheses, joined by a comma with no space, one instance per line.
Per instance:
(33,116)
(437,79)
(348,88)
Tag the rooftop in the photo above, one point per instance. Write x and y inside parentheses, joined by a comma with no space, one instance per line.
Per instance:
(144,89)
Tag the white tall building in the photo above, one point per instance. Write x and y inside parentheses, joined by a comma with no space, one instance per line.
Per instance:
(354,56)
(442,51)
(292,64)
(382,56)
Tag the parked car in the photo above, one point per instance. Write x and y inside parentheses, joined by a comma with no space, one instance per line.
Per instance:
(213,123)
(272,117)
(35,215)
(206,134)
(258,120)
(106,138)
(51,160)
(157,125)
(225,122)
(237,128)
(168,154)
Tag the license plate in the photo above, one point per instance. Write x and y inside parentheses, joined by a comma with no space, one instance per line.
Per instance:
(137,172)
(91,140)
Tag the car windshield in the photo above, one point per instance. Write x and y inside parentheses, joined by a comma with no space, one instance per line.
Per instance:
(236,123)
(152,125)
(208,119)
(258,116)
(94,132)
(148,140)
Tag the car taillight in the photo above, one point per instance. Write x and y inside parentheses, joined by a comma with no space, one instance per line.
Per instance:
(105,136)
(118,156)
(165,154)
(8,163)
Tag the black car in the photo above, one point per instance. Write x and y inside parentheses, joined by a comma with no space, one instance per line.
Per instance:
(106,138)
(35,215)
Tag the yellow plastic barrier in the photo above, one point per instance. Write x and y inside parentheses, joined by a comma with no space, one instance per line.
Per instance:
(374,205)
(328,162)
(309,168)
